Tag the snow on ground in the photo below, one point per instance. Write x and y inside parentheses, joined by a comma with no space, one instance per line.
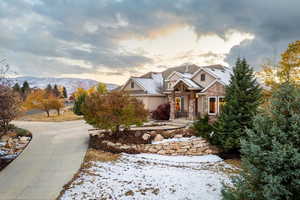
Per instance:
(152,177)
(183,139)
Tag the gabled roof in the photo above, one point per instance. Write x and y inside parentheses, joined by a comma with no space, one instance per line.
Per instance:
(149,85)
(222,74)
(188,82)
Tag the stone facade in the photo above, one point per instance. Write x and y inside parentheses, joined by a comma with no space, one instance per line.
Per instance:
(192,147)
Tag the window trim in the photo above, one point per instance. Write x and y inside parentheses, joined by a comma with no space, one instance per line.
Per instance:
(219,102)
(208,105)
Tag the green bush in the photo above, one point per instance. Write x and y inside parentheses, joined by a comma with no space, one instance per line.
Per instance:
(79,101)
(22,132)
(203,128)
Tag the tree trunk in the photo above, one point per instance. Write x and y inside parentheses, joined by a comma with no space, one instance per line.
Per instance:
(48,114)
(58,112)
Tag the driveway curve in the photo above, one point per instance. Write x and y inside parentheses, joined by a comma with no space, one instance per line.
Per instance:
(50,160)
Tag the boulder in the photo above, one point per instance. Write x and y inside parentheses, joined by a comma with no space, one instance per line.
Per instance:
(146,136)
(23,140)
(138,134)
(153,133)
(178,136)
(4,138)
(158,138)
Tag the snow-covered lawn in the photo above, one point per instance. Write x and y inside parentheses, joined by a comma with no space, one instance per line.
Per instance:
(149,176)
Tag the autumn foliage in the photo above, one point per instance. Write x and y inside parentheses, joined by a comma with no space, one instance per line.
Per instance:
(42,100)
(112,110)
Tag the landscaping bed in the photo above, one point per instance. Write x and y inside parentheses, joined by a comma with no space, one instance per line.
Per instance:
(12,144)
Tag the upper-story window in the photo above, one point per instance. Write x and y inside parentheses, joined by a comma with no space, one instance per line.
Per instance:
(202,77)
(132,84)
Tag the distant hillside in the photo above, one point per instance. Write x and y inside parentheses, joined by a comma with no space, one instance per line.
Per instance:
(70,83)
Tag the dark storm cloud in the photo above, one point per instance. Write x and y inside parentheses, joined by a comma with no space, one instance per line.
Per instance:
(90,31)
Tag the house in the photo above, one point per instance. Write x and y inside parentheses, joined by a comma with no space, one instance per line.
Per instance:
(191,90)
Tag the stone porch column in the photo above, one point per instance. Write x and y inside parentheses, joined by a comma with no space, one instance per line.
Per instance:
(172,105)
(192,107)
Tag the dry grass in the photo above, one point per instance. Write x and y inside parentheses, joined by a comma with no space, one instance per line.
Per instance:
(234,162)
(102,156)
(41,117)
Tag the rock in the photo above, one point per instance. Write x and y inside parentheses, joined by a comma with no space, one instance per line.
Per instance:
(178,136)
(153,133)
(138,134)
(158,138)
(4,138)
(146,136)
(23,140)
(10,143)
(162,152)
(166,134)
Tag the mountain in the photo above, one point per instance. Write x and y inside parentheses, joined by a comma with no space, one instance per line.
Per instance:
(70,83)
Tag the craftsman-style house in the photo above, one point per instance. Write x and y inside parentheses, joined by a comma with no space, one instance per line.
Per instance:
(191,90)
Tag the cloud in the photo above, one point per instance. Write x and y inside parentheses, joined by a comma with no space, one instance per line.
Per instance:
(54,37)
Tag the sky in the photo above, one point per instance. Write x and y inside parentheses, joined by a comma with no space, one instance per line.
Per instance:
(111,40)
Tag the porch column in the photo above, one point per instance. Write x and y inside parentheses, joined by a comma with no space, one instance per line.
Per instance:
(172,105)
(192,105)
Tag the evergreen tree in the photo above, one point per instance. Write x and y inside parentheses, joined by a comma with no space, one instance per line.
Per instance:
(79,101)
(49,89)
(271,152)
(65,94)
(243,96)
(25,87)
(17,88)
(56,91)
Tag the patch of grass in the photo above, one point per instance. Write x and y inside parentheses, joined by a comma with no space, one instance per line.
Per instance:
(41,117)
(102,156)
(234,162)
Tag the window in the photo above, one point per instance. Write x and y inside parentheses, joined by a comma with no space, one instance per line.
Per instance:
(212,105)
(202,77)
(221,103)
(132,84)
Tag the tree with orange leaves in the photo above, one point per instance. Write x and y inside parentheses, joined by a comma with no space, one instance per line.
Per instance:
(111,110)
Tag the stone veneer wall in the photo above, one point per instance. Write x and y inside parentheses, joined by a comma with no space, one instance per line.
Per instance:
(194,146)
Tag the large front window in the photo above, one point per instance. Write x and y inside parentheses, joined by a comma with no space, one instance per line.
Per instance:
(212,105)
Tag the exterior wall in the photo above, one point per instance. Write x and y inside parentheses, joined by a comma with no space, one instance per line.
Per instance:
(172,80)
(208,79)
(151,102)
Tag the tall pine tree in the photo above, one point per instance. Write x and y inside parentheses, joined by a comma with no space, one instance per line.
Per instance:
(65,94)
(271,152)
(56,91)
(243,96)
(49,89)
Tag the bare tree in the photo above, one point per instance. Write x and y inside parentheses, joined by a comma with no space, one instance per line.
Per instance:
(9,107)
(4,73)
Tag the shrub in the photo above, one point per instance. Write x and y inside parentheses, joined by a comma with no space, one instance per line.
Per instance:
(202,127)
(79,101)
(9,106)
(110,111)
(162,112)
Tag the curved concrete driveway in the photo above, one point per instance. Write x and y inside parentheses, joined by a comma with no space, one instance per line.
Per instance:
(49,161)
